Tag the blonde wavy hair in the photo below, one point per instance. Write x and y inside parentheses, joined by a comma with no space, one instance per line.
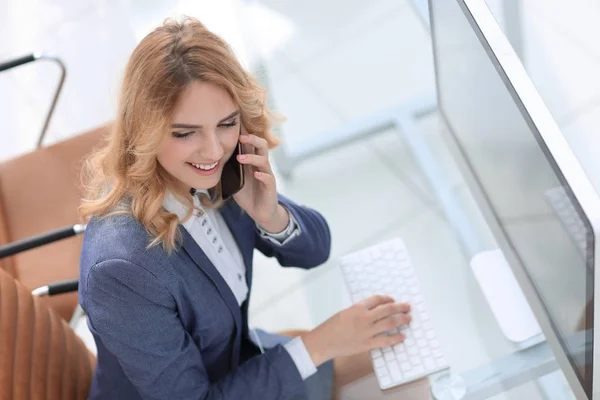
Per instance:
(124,176)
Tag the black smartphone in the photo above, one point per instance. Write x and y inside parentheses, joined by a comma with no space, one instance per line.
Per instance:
(232,178)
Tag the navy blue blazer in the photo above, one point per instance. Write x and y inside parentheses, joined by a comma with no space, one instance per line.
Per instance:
(169,327)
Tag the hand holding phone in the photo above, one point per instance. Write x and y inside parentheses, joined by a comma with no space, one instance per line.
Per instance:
(232,177)
(259,197)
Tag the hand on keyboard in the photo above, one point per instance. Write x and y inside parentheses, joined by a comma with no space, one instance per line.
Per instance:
(385,268)
(358,329)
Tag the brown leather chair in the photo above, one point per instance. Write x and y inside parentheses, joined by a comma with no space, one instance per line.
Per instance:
(40,355)
(39,192)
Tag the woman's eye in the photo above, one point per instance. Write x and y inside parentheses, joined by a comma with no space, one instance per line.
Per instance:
(180,135)
(229,124)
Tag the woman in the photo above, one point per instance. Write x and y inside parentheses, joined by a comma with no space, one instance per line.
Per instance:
(166,266)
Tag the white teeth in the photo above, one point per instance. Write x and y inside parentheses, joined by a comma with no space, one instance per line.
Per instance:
(205,167)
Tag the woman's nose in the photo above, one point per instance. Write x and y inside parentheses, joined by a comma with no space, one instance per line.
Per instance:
(211,149)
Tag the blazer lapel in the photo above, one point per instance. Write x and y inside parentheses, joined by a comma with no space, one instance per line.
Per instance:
(202,261)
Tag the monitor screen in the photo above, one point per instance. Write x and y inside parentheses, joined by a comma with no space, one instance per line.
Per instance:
(529,198)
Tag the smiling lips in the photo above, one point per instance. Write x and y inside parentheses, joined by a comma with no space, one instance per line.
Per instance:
(205,169)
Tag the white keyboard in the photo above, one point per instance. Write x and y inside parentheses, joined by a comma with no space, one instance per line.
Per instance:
(386,269)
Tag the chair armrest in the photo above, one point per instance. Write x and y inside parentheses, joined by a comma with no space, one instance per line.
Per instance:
(40,240)
(59,287)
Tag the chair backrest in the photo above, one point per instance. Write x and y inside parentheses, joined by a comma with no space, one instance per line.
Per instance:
(40,191)
(40,355)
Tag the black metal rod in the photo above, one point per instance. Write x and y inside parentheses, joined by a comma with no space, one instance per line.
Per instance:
(40,240)
(66,286)
(18,61)
(61,82)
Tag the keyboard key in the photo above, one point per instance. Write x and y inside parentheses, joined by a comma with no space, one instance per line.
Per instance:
(409,341)
(441,362)
(385,381)
(382,373)
(405,366)
(410,374)
(386,349)
(376,353)
(412,351)
(378,362)
(429,364)
(425,351)
(422,343)
(399,348)
(437,353)
(375,253)
(419,370)
(434,344)
(415,360)
(417,333)
(395,372)
(389,357)
(430,335)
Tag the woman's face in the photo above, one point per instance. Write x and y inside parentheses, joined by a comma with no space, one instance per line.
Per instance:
(203,135)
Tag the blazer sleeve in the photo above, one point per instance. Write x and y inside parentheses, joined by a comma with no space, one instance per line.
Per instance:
(310,248)
(135,316)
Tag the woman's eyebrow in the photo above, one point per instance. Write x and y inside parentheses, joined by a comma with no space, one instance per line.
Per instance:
(186,126)
(233,114)
(189,126)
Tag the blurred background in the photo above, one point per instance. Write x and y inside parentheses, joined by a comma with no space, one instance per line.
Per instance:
(328,64)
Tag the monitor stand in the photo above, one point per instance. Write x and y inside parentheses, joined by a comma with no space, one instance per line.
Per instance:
(504,296)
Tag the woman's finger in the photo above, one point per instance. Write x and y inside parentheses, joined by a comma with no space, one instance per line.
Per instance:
(391,322)
(267,179)
(386,341)
(385,310)
(260,144)
(375,300)
(260,162)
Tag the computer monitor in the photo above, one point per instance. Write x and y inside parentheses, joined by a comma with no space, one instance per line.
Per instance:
(520,169)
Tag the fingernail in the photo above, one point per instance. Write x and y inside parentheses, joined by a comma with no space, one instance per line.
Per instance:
(242,157)
(257,174)
(243,137)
